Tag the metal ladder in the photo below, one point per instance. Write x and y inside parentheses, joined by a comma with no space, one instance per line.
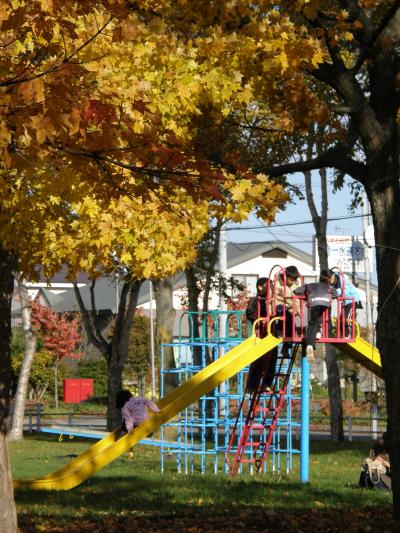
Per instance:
(256,437)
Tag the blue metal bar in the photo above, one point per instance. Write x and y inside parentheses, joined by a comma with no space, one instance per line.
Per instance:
(305,420)
(193,449)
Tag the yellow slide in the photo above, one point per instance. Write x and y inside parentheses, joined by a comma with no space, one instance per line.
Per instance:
(110,448)
(364,353)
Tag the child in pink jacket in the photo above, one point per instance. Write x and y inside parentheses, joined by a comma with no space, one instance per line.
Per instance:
(134,410)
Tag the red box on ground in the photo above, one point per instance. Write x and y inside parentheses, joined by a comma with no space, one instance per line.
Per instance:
(76,390)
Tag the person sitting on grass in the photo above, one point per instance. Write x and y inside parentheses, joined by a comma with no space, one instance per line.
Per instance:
(134,410)
(319,297)
(375,470)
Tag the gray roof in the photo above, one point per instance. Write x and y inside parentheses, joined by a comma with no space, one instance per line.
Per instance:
(240,252)
(237,253)
(106,288)
(105,296)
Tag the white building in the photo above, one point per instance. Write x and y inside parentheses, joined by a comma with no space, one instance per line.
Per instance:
(246,262)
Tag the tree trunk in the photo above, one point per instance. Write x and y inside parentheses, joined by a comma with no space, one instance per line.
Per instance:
(385,212)
(194,328)
(116,356)
(320,225)
(335,394)
(142,384)
(56,384)
(114,385)
(165,316)
(114,352)
(8,515)
(29,354)
(212,260)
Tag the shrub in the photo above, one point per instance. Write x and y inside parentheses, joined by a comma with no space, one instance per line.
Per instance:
(96,370)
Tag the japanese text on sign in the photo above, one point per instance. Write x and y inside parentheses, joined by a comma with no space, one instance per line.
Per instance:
(346,253)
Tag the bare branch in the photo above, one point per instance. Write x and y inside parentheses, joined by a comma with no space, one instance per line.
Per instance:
(334,158)
(95,316)
(86,43)
(253,127)
(16,80)
(99,343)
(129,312)
(144,171)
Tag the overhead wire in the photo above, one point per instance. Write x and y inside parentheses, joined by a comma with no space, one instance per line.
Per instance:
(293,223)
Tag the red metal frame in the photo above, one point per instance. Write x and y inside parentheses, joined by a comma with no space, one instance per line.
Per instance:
(264,431)
(297,333)
(256,438)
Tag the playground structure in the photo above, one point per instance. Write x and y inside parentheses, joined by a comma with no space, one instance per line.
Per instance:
(202,431)
(243,446)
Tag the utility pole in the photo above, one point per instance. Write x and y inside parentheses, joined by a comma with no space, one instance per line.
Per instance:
(369,319)
(222,267)
(153,371)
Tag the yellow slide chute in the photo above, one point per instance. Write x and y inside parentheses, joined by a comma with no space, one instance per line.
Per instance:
(110,448)
(364,353)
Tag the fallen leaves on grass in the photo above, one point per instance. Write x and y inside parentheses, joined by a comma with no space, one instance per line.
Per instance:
(251,520)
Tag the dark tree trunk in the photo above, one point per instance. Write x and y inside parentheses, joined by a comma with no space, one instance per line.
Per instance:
(116,350)
(320,226)
(119,348)
(193,301)
(165,316)
(194,318)
(212,261)
(386,214)
(335,394)
(8,515)
(114,385)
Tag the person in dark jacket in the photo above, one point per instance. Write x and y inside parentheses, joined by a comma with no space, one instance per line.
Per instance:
(257,305)
(319,297)
(257,308)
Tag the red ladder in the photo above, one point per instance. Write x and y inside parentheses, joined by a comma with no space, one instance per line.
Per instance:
(256,436)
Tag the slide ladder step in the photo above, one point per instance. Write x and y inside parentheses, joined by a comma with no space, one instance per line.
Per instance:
(258,444)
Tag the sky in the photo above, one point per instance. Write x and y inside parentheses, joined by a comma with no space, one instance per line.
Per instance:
(301,235)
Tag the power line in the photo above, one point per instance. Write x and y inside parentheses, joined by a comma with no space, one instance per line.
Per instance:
(231,228)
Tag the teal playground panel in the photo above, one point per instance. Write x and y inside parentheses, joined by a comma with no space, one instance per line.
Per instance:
(197,439)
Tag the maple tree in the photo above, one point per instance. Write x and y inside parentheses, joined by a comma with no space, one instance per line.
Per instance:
(90,124)
(59,334)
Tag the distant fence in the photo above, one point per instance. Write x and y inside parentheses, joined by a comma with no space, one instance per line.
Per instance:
(354,426)
(36,418)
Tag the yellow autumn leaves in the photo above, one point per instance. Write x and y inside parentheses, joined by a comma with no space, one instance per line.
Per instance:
(100,131)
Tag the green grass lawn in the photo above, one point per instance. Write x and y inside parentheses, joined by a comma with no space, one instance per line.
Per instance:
(133,494)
